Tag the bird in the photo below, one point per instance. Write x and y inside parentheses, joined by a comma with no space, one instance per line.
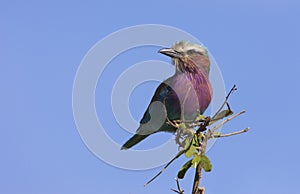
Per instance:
(186,94)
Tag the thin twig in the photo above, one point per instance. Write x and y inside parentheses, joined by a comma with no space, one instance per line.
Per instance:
(227,120)
(225,101)
(216,118)
(179,191)
(170,162)
(231,134)
(178,185)
(188,121)
(166,166)
(171,123)
(176,191)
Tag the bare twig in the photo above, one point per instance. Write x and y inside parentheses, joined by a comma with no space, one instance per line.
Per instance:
(187,121)
(174,124)
(166,166)
(218,117)
(227,120)
(225,101)
(170,162)
(231,134)
(179,191)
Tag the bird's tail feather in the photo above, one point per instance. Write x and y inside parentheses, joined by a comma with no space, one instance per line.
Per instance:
(132,141)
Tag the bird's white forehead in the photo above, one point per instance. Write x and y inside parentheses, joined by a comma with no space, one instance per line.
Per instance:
(184,46)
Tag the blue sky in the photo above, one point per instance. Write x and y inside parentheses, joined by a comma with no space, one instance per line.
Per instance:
(255,43)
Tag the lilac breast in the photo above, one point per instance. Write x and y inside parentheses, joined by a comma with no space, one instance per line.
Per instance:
(193,91)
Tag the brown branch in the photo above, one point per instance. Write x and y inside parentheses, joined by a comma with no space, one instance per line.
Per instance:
(234,88)
(174,124)
(188,121)
(198,176)
(216,118)
(202,150)
(198,173)
(179,191)
(231,134)
(166,166)
(227,120)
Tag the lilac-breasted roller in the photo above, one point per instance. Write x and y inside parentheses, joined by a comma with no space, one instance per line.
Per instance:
(183,96)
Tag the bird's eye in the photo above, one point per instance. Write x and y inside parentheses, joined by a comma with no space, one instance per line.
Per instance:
(190,52)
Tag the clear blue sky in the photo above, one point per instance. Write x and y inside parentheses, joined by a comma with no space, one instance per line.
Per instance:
(255,43)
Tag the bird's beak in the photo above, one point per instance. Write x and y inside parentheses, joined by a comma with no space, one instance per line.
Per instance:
(170,52)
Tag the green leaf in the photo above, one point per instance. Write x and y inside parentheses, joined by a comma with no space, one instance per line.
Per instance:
(205,163)
(189,144)
(190,151)
(183,169)
(196,160)
(200,117)
(223,114)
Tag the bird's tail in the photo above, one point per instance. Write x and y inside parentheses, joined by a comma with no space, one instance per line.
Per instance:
(132,141)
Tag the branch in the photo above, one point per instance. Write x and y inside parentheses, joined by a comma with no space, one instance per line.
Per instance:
(227,120)
(198,173)
(165,167)
(208,135)
(221,115)
(171,161)
(179,191)
(198,176)
(234,88)
(231,134)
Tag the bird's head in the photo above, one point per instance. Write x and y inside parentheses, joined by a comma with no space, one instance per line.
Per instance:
(188,57)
